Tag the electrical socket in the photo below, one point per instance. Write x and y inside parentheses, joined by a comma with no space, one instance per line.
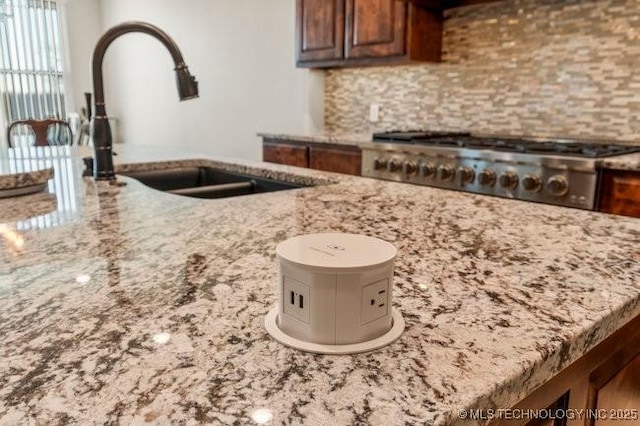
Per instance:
(296,299)
(374,301)
(374,113)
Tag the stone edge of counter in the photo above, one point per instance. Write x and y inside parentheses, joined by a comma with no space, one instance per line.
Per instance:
(353,139)
(290,174)
(25,179)
(627,162)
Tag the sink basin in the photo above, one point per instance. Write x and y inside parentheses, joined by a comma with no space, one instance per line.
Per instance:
(207,182)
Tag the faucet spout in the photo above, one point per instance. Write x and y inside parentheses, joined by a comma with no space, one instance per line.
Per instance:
(102,139)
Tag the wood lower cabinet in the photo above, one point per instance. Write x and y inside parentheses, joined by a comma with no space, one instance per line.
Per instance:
(327,157)
(620,192)
(339,159)
(620,395)
(282,153)
(600,389)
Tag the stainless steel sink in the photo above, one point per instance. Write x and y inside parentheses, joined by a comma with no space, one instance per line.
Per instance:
(207,182)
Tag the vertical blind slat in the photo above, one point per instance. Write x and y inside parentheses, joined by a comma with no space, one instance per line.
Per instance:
(53,17)
(26,28)
(15,65)
(27,62)
(33,49)
(38,51)
(43,55)
(49,52)
(4,64)
(31,67)
(19,62)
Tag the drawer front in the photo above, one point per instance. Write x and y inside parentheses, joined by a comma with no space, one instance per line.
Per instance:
(334,159)
(620,193)
(292,155)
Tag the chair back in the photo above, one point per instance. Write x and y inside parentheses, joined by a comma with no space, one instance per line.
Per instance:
(40,129)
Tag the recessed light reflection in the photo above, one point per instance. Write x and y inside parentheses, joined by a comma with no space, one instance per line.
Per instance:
(83,278)
(262,416)
(14,239)
(161,338)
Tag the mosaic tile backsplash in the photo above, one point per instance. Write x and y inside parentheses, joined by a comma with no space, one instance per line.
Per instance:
(545,68)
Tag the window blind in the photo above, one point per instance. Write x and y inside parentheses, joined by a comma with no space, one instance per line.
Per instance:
(31,60)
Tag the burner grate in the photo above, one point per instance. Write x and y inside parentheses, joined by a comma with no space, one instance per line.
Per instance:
(522,146)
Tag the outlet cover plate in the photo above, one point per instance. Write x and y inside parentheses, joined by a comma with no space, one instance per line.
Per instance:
(374,301)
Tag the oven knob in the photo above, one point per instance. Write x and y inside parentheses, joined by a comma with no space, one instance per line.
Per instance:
(395,166)
(558,185)
(427,170)
(467,175)
(532,183)
(508,180)
(446,173)
(379,163)
(487,177)
(410,168)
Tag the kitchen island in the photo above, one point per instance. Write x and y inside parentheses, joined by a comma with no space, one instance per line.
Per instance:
(142,306)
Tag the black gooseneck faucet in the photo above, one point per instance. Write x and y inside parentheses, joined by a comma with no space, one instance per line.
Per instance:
(187,89)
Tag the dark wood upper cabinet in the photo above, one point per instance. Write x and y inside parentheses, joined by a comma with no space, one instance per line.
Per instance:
(320,30)
(375,28)
(333,33)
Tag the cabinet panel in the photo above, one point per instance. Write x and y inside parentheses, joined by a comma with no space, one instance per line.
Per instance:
(376,28)
(292,155)
(320,30)
(620,193)
(620,396)
(346,160)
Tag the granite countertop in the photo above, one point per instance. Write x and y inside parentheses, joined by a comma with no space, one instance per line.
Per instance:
(338,138)
(630,162)
(131,305)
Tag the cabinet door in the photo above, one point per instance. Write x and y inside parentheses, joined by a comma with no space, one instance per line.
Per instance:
(376,28)
(620,193)
(292,155)
(319,30)
(620,397)
(337,159)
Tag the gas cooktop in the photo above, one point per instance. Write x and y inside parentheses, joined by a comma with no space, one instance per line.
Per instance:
(554,172)
(525,146)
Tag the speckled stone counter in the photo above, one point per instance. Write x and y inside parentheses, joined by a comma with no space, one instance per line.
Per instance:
(20,169)
(630,162)
(23,179)
(336,138)
(146,306)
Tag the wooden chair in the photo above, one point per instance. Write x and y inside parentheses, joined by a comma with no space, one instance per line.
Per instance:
(41,128)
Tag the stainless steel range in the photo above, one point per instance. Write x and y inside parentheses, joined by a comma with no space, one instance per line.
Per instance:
(554,172)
